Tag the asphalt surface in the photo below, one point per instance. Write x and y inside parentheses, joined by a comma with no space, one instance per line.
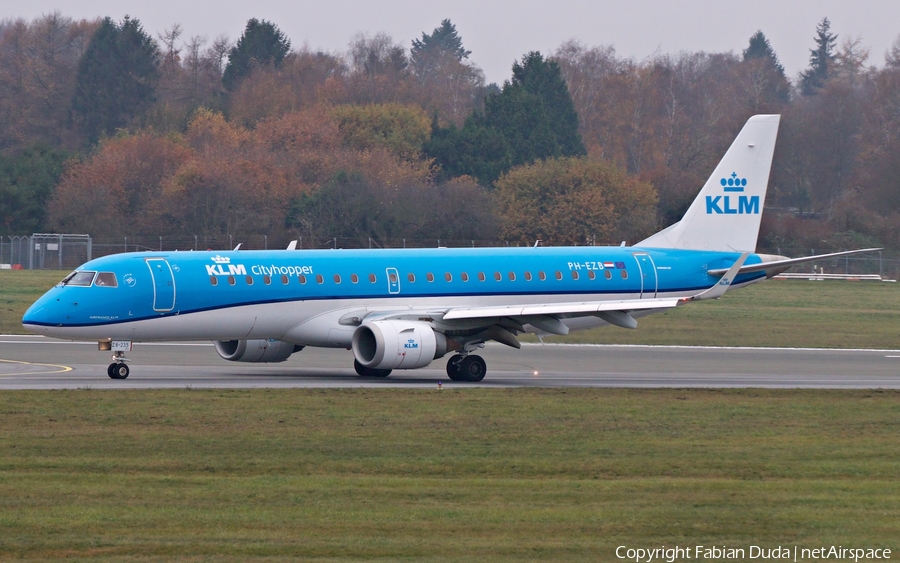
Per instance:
(32,362)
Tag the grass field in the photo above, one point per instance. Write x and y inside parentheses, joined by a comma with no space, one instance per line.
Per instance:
(462,475)
(832,314)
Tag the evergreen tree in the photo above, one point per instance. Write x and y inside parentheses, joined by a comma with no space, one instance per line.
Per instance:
(532,118)
(760,48)
(820,60)
(443,39)
(778,88)
(262,44)
(117,77)
(26,184)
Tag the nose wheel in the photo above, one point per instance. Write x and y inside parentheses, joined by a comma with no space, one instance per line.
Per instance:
(118,369)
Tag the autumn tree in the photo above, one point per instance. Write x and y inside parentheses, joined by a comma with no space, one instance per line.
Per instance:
(38,62)
(302,81)
(821,59)
(113,191)
(117,77)
(400,129)
(379,71)
(262,44)
(573,200)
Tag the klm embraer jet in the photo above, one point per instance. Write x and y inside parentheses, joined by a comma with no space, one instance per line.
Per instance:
(403,309)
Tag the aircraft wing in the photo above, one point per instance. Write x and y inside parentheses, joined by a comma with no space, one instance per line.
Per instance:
(781,265)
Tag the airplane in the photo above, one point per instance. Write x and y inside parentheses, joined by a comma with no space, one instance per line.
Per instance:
(405,308)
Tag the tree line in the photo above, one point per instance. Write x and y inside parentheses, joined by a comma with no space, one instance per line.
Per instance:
(109,131)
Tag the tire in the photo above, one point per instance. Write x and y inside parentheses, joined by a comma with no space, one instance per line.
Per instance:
(453,368)
(472,368)
(118,371)
(363,371)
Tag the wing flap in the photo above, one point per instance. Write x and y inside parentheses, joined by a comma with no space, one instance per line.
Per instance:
(577,308)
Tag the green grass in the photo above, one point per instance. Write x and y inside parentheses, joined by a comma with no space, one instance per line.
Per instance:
(831,314)
(452,475)
(18,290)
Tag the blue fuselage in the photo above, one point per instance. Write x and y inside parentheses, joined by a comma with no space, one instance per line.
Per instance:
(268,294)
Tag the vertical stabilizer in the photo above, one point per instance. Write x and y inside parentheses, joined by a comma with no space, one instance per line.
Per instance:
(727,211)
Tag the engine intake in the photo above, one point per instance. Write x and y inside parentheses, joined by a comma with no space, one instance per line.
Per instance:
(398,344)
(255,351)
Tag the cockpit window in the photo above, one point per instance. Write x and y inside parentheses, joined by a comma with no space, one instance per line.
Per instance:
(78,278)
(106,279)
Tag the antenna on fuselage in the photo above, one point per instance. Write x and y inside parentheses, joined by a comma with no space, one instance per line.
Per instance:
(238,247)
(292,245)
(537,243)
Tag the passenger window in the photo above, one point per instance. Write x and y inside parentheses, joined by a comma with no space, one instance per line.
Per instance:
(213,280)
(284,280)
(591,274)
(542,276)
(106,279)
(411,277)
(558,275)
(464,276)
(372,278)
(319,278)
(230,280)
(354,278)
(429,276)
(392,278)
(608,274)
(574,275)
(497,276)
(624,274)
(527,276)
(448,276)
(337,278)
(267,280)
(512,276)
(249,280)
(302,278)
(481,276)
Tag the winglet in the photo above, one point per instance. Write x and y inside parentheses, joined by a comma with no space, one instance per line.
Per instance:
(724,283)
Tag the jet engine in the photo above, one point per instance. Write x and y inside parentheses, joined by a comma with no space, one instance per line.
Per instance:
(398,344)
(256,350)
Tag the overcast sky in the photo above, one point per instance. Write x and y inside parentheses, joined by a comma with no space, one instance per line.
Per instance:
(498,33)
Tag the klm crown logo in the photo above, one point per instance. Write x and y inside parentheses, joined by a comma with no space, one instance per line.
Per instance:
(221,259)
(725,204)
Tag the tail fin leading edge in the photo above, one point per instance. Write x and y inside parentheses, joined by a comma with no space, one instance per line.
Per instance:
(725,215)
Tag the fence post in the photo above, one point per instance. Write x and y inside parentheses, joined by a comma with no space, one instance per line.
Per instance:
(31,252)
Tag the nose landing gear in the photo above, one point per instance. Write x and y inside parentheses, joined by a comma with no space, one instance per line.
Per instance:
(118,369)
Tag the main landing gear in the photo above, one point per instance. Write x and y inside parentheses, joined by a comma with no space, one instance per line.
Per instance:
(466,368)
(118,369)
(369,372)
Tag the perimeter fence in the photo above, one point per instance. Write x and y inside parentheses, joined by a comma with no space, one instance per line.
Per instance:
(68,251)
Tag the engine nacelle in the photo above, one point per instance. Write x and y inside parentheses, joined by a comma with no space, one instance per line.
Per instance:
(256,350)
(398,344)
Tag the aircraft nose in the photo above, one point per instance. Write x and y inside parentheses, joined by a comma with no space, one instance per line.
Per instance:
(38,318)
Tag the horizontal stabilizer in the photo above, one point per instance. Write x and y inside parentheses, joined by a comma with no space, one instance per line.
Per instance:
(782,265)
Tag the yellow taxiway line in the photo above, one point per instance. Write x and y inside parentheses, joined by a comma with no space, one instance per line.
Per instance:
(62,369)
